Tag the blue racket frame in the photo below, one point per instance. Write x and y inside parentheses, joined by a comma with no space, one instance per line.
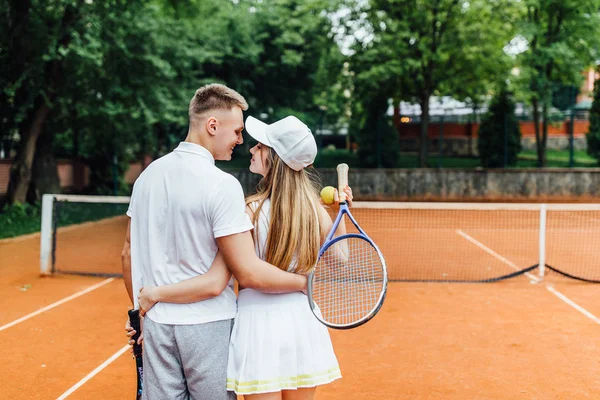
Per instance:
(330,241)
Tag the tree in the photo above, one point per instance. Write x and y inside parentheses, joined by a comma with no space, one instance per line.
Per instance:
(378,145)
(107,82)
(34,71)
(68,76)
(562,38)
(110,80)
(499,137)
(419,48)
(299,64)
(593,136)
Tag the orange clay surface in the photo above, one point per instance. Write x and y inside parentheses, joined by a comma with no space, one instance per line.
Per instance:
(507,340)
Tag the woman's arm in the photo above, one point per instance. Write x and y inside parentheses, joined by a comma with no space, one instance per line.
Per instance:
(192,290)
(341,251)
(325,220)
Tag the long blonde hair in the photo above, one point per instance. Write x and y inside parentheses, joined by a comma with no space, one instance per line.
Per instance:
(294,229)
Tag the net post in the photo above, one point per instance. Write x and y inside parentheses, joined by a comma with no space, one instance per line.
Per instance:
(542,242)
(46,235)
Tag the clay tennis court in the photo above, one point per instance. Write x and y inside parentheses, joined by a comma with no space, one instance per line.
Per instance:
(512,339)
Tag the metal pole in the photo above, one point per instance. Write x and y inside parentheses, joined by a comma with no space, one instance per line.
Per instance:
(542,242)
(441,144)
(378,128)
(571,132)
(115,175)
(46,256)
(505,128)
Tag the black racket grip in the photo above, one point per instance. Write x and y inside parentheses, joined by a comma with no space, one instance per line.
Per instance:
(134,321)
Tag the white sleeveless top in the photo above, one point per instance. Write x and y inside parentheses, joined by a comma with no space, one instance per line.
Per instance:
(276,342)
(260,234)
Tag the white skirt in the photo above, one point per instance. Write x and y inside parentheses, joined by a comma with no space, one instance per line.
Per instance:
(277,344)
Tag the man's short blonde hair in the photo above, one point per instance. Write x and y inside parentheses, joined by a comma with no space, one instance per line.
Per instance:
(215,96)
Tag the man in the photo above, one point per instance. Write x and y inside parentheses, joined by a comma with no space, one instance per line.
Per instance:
(183,209)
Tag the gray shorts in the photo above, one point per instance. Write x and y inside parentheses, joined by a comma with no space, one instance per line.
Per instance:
(186,361)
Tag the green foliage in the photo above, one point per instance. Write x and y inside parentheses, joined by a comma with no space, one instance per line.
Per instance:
(126,66)
(128,70)
(415,49)
(18,219)
(299,66)
(562,39)
(593,136)
(499,133)
(118,75)
(332,158)
(378,144)
(12,213)
(564,97)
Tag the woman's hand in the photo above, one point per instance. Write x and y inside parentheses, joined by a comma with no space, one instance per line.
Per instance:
(147,299)
(348,192)
(130,332)
(336,198)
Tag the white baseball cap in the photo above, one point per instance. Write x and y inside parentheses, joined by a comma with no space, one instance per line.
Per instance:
(291,139)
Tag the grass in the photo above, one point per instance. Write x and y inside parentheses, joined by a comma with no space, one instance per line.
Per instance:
(526,159)
(412,161)
(560,158)
(21,219)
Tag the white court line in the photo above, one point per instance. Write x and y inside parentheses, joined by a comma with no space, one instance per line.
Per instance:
(58,303)
(94,372)
(549,287)
(493,253)
(573,304)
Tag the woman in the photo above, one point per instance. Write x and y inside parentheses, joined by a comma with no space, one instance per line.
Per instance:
(278,349)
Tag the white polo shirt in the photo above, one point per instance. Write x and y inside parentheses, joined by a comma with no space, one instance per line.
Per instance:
(179,205)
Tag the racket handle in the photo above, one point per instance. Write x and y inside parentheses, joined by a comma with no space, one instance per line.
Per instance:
(134,321)
(342,171)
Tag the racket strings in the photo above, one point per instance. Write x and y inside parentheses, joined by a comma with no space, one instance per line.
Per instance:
(348,281)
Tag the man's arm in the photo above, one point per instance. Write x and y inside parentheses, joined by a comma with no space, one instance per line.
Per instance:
(251,271)
(126,262)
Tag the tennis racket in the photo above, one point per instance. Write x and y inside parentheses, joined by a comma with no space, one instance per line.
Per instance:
(347,287)
(134,321)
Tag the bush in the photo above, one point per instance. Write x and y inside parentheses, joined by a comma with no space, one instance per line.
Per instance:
(499,121)
(19,218)
(378,144)
(593,136)
(330,158)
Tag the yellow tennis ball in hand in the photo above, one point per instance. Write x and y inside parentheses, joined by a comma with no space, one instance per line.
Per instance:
(327,194)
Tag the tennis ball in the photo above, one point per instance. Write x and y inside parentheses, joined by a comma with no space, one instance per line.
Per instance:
(327,194)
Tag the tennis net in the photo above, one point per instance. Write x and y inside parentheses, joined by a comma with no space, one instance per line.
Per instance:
(446,242)
(82,234)
(483,242)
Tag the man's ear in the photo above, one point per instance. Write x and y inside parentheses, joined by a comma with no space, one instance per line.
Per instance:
(211,126)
